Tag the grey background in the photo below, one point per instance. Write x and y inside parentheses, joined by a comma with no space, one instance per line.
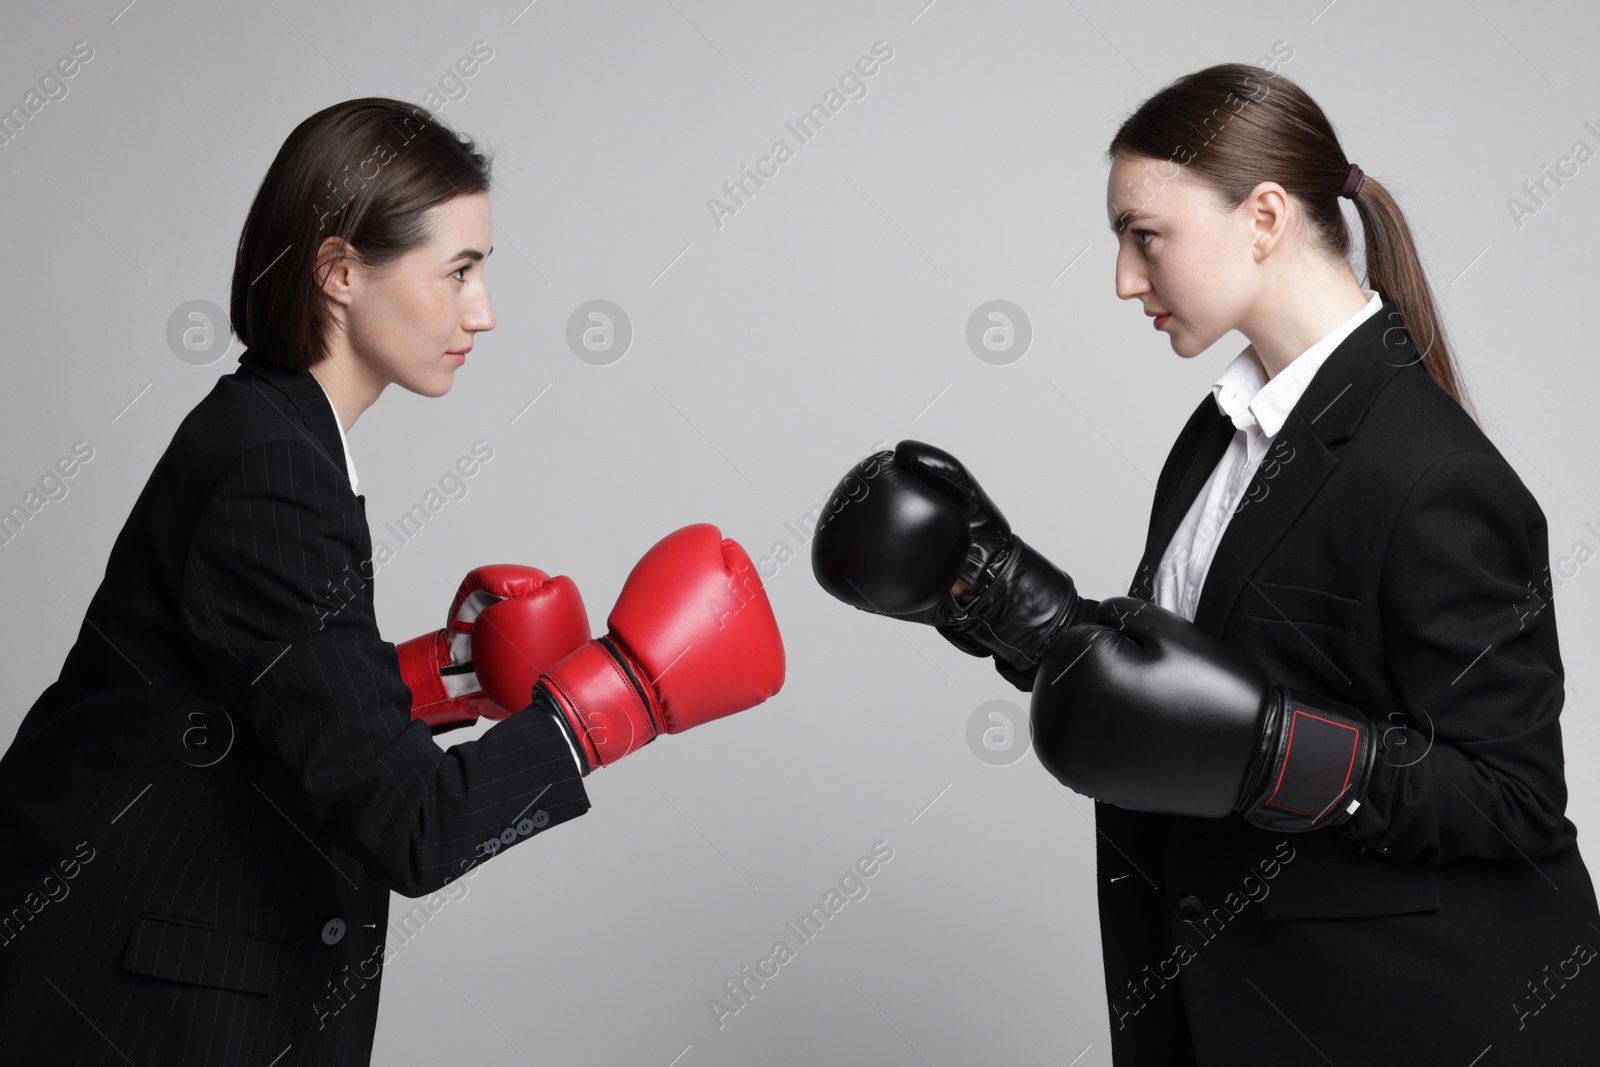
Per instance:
(829,314)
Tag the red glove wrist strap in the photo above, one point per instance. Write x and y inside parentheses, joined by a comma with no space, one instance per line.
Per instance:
(600,692)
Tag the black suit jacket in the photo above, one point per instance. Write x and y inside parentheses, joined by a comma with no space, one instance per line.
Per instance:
(1386,556)
(202,819)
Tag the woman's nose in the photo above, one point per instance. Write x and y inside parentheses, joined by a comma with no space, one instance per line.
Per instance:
(481,317)
(1131,283)
(1131,279)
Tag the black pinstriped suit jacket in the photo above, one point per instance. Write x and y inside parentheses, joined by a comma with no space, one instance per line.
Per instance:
(202,819)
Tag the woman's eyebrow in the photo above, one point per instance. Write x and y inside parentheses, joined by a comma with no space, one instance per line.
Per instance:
(472,254)
(1131,215)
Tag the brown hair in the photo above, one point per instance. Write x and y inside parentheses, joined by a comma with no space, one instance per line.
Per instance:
(366,171)
(1234,126)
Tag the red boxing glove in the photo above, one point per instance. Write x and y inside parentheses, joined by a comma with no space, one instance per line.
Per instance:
(507,624)
(692,638)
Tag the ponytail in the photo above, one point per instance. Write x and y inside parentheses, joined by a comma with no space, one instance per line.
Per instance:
(1233,126)
(1394,269)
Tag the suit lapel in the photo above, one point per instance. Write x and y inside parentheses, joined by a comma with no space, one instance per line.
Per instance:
(1213,432)
(1290,472)
(303,402)
(1299,460)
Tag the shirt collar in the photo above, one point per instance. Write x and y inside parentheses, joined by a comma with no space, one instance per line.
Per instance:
(1243,392)
(349,464)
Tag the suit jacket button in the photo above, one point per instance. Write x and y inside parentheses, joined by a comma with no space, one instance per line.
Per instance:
(332,931)
(1189,909)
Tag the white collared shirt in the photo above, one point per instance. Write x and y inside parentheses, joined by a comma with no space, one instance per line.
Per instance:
(349,463)
(1258,407)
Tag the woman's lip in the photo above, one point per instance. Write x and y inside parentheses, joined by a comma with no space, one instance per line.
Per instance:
(1161,320)
(458,358)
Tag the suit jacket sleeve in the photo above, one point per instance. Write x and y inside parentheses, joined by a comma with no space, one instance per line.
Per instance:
(272,602)
(1470,640)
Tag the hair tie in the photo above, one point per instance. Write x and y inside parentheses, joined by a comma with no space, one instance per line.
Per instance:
(1352,183)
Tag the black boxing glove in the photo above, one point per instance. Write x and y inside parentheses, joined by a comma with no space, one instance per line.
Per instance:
(902,527)
(1145,710)
(887,542)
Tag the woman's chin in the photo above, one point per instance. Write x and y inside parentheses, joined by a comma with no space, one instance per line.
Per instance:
(429,387)
(433,385)
(1186,347)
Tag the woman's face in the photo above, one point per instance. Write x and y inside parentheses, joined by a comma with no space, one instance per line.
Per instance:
(412,322)
(1179,252)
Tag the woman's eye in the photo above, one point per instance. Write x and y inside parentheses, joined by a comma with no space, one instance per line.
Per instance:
(459,270)
(1142,234)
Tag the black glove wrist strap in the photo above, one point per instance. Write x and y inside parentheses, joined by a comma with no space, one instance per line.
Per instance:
(1025,605)
(1313,764)
(988,567)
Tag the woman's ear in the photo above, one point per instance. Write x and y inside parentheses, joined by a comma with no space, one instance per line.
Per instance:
(1266,213)
(335,269)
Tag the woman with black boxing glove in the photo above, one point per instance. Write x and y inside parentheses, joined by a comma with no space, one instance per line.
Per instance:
(1337,661)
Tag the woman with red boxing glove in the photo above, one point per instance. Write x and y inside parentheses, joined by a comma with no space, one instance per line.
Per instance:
(234,770)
